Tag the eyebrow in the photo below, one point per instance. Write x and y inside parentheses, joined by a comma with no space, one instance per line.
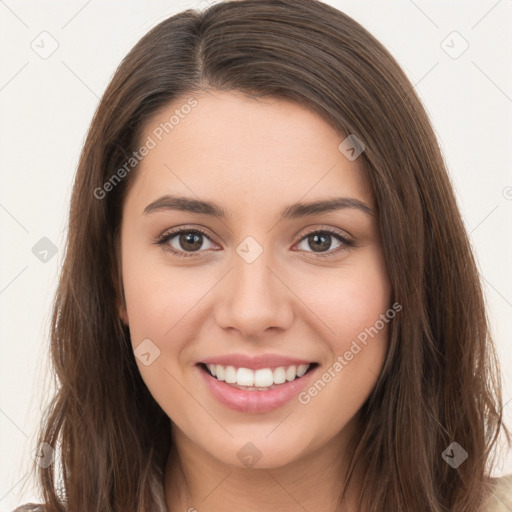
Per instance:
(293,211)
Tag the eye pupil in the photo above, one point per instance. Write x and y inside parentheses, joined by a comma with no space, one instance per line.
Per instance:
(188,240)
(325,244)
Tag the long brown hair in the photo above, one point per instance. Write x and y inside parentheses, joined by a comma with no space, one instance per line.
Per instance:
(440,382)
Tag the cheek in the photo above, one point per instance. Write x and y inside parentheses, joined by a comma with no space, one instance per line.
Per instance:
(160,311)
(351,300)
(158,296)
(357,308)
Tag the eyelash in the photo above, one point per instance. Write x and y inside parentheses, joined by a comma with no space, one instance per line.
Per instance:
(166,237)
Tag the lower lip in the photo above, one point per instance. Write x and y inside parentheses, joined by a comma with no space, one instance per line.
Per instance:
(255,401)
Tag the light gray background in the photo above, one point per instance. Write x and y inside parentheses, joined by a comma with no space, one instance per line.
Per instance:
(46,106)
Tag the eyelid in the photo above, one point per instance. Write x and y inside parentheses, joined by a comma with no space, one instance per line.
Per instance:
(345,239)
(329,229)
(168,235)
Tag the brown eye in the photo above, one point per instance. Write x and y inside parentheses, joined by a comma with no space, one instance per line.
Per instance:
(190,241)
(320,242)
(184,242)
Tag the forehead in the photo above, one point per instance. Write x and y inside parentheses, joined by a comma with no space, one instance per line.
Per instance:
(226,145)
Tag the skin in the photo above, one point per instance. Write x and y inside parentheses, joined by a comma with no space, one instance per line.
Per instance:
(253,157)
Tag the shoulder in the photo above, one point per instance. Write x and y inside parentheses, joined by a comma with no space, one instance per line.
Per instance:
(500,499)
(29,507)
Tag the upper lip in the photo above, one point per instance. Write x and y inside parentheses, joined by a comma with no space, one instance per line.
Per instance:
(255,362)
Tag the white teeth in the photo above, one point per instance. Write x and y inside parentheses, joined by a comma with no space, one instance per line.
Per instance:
(302,369)
(291,373)
(244,377)
(261,378)
(279,375)
(220,372)
(230,374)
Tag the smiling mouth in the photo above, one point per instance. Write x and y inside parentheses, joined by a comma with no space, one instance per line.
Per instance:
(263,379)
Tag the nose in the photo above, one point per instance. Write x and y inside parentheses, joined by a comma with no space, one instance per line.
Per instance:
(254,297)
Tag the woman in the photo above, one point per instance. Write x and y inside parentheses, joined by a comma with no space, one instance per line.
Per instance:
(269,300)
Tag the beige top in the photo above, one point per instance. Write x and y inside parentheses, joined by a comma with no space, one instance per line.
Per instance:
(500,501)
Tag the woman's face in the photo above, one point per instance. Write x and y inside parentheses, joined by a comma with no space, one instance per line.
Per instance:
(260,289)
